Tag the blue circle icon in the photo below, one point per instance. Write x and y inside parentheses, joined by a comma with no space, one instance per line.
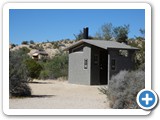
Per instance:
(147,99)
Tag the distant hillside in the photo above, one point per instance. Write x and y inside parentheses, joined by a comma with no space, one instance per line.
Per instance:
(52,48)
(55,47)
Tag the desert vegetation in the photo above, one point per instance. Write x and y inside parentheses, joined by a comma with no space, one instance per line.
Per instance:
(22,69)
(18,73)
(123,86)
(55,67)
(24,42)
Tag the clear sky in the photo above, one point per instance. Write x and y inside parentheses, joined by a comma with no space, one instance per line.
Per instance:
(41,25)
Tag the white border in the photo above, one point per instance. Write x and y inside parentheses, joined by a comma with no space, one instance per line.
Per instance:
(8,6)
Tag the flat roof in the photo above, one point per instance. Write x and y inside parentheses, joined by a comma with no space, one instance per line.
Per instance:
(103,44)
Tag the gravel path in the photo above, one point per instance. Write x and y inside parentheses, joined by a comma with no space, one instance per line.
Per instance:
(53,94)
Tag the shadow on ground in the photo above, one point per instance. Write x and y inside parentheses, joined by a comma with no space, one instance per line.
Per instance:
(41,82)
(41,96)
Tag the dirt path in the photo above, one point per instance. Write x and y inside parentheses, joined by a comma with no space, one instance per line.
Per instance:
(51,94)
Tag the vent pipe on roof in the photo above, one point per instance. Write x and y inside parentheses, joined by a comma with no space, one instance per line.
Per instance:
(85,33)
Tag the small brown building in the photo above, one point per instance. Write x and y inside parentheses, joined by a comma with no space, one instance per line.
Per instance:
(38,55)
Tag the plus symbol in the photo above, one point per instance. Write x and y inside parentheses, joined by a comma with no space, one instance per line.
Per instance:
(147,99)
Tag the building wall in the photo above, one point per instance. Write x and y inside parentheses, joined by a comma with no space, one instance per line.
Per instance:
(77,73)
(121,62)
(91,75)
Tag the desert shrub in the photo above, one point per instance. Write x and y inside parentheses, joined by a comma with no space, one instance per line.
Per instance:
(31,46)
(13,45)
(65,41)
(24,51)
(142,67)
(123,89)
(59,65)
(44,74)
(139,55)
(31,42)
(38,47)
(55,67)
(44,58)
(19,88)
(18,74)
(24,42)
(71,42)
(56,45)
(33,67)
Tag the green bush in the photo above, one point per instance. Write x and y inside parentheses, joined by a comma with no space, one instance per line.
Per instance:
(56,45)
(38,47)
(24,42)
(31,42)
(44,74)
(24,51)
(13,45)
(19,88)
(123,89)
(55,67)
(18,74)
(31,46)
(139,55)
(58,66)
(33,67)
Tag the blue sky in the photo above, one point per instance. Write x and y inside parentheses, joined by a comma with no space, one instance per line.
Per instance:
(56,24)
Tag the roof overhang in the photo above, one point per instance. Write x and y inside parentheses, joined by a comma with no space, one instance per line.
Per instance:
(102,44)
(74,45)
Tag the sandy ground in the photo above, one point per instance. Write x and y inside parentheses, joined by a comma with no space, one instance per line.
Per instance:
(53,94)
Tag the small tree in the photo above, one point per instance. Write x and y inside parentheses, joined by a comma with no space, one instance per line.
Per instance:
(140,54)
(13,45)
(31,42)
(79,36)
(24,50)
(59,65)
(55,67)
(106,32)
(56,45)
(24,42)
(109,32)
(33,67)
(121,33)
(142,31)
